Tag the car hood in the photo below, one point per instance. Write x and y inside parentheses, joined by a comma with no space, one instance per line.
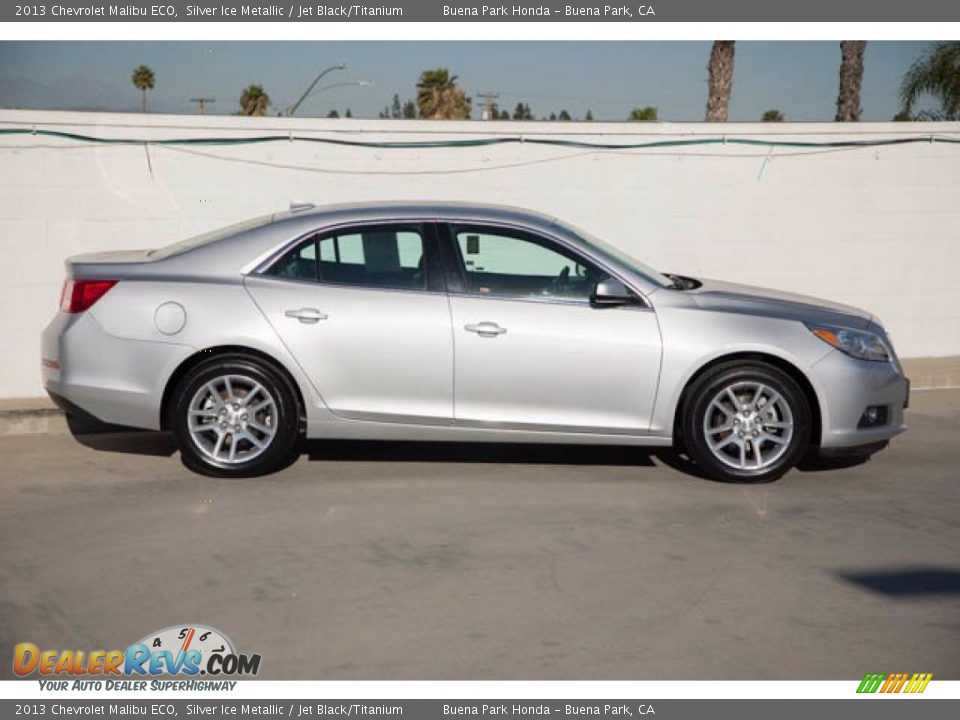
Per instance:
(731,297)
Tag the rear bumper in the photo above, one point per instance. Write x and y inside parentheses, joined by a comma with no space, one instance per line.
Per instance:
(81,422)
(114,380)
(846,388)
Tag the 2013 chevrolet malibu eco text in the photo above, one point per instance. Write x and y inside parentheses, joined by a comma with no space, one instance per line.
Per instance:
(449,321)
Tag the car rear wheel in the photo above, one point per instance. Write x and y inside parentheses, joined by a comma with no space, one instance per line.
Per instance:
(746,422)
(235,416)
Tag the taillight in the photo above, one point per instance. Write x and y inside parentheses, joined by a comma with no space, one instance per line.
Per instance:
(80,295)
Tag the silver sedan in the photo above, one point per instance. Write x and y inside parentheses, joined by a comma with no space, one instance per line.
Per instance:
(446,321)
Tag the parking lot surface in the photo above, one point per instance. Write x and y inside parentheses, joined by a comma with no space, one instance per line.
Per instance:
(401,561)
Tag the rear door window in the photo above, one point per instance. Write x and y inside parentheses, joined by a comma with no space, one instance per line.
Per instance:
(391,257)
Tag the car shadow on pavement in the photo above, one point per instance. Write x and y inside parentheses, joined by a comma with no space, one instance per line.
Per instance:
(907,582)
(143,442)
(455,452)
(131,442)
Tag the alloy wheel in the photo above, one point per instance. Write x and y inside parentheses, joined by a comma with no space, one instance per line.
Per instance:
(748,426)
(232,419)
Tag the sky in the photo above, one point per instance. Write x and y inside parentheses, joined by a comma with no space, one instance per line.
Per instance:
(609,78)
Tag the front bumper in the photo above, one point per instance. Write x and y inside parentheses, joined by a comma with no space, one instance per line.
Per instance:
(846,388)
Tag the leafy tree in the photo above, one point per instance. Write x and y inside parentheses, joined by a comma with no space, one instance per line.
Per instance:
(851,80)
(504,115)
(564,115)
(333,114)
(936,74)
(589,116)
(144,79)
(409,110)
(254,101)
(772,116)
(553,116)
(720,82)
(643,114)
(440,98)
(396,110)
(348,114)
(522,112)
(384,114)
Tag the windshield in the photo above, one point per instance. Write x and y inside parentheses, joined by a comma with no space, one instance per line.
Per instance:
(196,241)
(609,252)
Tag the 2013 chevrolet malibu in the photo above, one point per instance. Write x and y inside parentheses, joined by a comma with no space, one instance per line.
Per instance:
(446,321)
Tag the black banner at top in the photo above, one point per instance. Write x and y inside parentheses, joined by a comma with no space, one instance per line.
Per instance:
(468,11)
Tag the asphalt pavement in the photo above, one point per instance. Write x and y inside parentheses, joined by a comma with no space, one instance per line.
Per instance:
(406,561)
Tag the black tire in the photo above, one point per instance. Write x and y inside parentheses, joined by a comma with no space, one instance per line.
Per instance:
(279,451)
(698,402)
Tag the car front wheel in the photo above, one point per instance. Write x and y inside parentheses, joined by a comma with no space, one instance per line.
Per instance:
(746,422)
(235,416)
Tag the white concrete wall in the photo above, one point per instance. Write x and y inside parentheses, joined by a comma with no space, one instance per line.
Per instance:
(877,228)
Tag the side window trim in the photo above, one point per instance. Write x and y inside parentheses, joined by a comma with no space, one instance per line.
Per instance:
(453,264)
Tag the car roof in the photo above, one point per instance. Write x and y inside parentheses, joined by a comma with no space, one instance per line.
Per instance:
(413,208)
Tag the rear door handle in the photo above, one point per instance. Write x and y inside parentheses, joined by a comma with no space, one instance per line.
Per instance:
(485,329)
(309,316)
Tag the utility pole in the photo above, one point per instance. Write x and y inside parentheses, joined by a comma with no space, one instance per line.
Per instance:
(489,104)
(202,104)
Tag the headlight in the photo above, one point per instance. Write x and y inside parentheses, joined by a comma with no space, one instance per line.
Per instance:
(855,343)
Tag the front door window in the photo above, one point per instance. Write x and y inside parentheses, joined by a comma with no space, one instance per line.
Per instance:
(504,263)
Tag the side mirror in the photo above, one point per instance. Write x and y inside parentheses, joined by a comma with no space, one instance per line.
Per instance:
(610,293)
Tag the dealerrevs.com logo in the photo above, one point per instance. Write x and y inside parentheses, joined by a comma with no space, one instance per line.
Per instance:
(184,650)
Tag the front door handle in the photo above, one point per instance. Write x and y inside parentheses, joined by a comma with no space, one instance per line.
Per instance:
(309,316)
(485,329)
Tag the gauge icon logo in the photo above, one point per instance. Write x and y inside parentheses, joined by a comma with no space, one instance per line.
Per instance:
(181,639)
(190,649)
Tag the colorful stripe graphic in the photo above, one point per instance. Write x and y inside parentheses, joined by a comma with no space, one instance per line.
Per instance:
(894,682)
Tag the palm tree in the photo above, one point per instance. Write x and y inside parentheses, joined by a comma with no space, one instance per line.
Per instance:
(254,101)
(440,98)
(720,83)
(639,114)
(851,78)
(143,78)
(936,74)
(772,116)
